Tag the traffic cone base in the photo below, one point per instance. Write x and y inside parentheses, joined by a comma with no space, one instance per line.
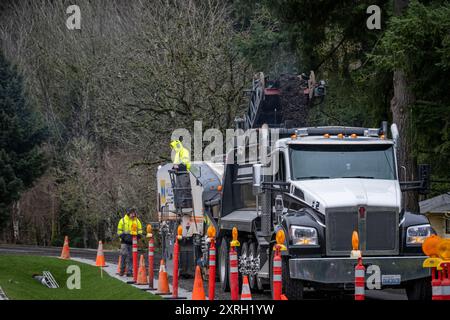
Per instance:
(142,275)
(100,261)
(246,294)
(198,293)
(163,280)
(65,253)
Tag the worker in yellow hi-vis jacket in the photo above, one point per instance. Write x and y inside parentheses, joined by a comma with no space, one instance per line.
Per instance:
(182,165)
(182,156)
(124,230)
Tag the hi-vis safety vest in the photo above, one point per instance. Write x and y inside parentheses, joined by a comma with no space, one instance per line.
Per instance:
(181,154)
(126,224)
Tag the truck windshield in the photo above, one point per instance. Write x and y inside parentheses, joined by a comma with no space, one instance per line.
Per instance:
(342,161)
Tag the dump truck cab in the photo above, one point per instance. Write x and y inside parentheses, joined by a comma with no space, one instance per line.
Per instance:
(320,185)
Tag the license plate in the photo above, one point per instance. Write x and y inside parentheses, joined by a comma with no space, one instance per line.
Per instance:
(391,279)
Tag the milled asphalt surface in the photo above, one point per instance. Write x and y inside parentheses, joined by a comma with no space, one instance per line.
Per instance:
(111,257)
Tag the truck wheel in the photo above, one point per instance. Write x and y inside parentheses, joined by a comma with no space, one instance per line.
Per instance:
(252,277)
(224,265)
(419,289)
(292,288)
(259,282)
(244,257)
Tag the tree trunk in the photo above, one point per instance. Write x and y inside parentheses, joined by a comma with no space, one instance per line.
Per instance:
(15,217)
(401,104)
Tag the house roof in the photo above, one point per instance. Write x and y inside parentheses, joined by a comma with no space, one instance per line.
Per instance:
(438,204)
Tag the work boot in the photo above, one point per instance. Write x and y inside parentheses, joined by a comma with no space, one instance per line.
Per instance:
(129,274)
(121,273)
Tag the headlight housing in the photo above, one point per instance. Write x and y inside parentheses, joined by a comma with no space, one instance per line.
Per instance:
(303,236)
(418,234)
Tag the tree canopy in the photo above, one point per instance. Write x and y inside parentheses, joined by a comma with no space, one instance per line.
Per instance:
(21,133)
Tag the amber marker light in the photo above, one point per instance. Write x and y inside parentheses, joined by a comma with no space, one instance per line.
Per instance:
(211,232)
(280,238)
(430,246)
(149,231)
(355,240)
(179,232)
(134,229)
(235,241)
(443,249)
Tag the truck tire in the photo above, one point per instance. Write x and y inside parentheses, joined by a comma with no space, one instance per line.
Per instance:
(244,257)
(252,281)
(292,288)
(224,265)
(259,283)
(419,289)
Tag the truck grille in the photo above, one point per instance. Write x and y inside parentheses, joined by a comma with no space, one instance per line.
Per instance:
(377,230)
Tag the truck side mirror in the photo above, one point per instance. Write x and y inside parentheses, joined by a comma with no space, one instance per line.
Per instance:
(424,177)
(257,178)
(279,207)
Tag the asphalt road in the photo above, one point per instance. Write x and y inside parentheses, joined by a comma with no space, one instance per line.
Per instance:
(112,257)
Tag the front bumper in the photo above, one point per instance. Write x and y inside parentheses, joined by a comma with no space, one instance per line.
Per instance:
(342,270)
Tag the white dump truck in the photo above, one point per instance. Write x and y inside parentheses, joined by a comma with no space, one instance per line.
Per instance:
(318,185)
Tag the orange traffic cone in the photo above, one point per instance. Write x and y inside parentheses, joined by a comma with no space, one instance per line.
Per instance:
(65,253)
(142,274)
(100,261)
(163,280)
(198,293)
(119,264)
(283,297)
(246,294)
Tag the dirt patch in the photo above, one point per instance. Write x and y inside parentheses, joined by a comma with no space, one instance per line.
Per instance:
(294,102)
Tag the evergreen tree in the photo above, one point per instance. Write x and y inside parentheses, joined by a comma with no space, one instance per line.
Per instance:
(21,133)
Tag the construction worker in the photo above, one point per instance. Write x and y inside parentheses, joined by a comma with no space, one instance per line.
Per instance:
(182,164)
(182,157)
(124,229)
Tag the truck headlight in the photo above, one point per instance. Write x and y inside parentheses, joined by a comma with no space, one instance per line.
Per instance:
(418,234)
(304,236)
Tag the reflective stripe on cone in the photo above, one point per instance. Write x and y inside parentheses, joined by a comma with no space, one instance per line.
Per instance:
(277,283)
(360,272)
(212,271)
(234,276)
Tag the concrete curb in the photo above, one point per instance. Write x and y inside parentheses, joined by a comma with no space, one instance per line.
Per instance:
(111,269)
